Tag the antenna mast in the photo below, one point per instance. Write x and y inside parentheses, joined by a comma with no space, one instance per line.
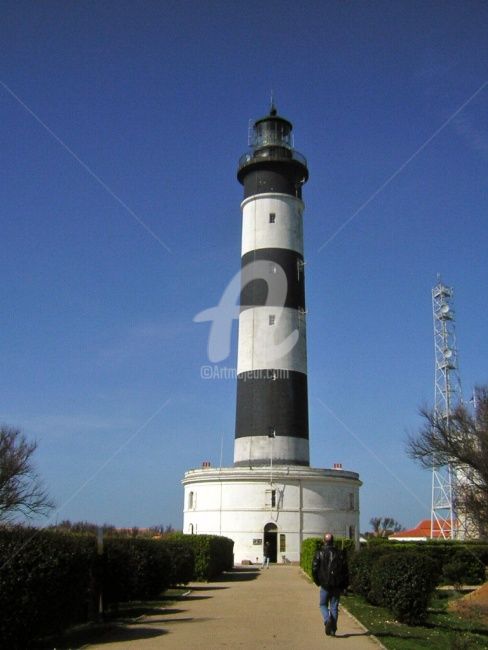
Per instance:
(447,387)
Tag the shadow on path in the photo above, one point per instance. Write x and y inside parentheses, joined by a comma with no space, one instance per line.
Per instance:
(203,587)
(183,599)
(143,621)
(238,574)
(99,634)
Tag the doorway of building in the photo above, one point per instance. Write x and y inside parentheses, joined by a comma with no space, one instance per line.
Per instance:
(271,536)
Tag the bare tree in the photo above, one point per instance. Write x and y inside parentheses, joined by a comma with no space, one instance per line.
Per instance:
(21,491)
(462,442)
(384,526)
(68,526)
(376,525)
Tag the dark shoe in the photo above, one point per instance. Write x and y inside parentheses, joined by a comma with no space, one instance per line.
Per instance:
(329,627)
(333,626)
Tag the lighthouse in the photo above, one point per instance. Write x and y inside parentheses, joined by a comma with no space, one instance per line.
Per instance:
(271,493)
(272,402)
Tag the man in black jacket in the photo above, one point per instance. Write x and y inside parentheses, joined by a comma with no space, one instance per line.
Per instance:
(330,573)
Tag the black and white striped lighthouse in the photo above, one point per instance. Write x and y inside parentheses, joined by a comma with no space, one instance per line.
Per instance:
(272,401)
(271,494)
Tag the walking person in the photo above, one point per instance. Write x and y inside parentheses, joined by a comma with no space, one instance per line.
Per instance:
(266,552)
(330,573)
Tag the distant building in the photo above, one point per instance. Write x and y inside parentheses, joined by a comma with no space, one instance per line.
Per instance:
(422,532)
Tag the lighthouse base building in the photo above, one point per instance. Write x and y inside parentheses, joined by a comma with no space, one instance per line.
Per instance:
(272,494)
(283,506)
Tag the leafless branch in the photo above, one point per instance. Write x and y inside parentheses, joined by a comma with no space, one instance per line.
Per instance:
(21,491)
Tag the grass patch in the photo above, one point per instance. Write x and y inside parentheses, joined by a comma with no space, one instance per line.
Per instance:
(442,629)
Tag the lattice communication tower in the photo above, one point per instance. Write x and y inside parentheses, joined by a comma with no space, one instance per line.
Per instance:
(444,519)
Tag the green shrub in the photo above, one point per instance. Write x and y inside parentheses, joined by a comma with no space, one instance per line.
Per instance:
(213,555)
(404,584)
(346,544)
(49,580)
(182,560)
(360,568)
(307,552)
(445,553)
(135,569)
(46,582)
(452,561)
(464,567)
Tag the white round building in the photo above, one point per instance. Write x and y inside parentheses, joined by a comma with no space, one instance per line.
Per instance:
(271,494)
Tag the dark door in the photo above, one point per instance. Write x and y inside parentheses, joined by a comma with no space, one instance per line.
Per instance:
(271,536)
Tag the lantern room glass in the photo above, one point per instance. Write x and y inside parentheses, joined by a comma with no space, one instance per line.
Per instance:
(272,132)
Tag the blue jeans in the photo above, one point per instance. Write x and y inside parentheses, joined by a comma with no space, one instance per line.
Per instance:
(329,603)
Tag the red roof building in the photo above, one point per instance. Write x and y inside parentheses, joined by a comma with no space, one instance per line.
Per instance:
(421,532)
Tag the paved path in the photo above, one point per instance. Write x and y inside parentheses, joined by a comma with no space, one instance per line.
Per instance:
(247,609)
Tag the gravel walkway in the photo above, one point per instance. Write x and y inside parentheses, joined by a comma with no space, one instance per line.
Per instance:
(247,609)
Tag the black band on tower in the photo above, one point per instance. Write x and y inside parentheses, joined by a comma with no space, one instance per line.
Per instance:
(277,179)
(261,291)
(266,405)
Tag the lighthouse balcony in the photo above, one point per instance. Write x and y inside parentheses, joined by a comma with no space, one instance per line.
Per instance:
(271,153)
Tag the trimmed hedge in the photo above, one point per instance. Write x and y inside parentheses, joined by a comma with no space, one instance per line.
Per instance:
(182,560)
(46,582)
(135,569)
(470,558)
(212,554)
(463,567)
(50,580)
(312,544)
(307,552)
(360,569)
(401,576)
(404,584)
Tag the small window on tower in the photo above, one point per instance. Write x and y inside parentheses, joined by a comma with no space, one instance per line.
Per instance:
(282,542)
(271,498)
(271,319)
(351,501)
(272,217)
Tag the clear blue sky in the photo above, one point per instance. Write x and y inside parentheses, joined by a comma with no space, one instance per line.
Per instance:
(122,124)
